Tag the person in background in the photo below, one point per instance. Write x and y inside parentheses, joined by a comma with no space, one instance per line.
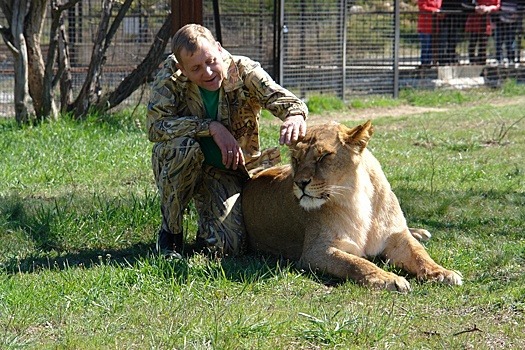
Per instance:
(507,21)
(479,27)
(203,118)
(519,32)
(450,30)
(426,28)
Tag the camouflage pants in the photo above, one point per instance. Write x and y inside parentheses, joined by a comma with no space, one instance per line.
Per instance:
(181,176)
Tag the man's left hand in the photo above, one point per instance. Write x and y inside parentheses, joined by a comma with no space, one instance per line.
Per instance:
(292,129)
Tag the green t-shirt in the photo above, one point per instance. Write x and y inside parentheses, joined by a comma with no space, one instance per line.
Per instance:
(212,152)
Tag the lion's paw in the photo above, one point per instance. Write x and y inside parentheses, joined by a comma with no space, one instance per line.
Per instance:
(389,281)
(420,234)
(453,278)
(450,277)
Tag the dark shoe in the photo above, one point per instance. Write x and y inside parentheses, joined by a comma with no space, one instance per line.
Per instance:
(167,244)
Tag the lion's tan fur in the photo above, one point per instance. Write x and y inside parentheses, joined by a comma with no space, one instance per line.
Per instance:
(332,208)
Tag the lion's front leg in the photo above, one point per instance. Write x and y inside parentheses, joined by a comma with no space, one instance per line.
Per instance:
(348,266)
(404,251)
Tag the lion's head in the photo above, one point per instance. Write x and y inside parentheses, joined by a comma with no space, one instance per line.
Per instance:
(322,159)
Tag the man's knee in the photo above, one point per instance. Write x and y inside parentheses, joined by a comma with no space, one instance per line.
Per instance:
(176,149)
(173,156)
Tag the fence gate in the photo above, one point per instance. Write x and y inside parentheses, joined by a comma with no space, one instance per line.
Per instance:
(335,47)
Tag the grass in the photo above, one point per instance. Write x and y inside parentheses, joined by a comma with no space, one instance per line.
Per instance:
(79,214)
(416,97)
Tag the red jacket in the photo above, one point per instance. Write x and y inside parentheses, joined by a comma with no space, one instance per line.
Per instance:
(426,18)
(480,23)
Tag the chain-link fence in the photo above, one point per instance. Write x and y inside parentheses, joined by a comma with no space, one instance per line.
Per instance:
(339,47)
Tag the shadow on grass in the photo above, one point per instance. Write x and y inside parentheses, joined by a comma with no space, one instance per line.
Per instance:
(82,258)
(34,219)
(43,233)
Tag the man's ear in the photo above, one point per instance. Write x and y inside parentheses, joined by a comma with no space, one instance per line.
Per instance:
(180,67)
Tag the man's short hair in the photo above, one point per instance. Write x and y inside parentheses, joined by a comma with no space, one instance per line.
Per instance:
(188,37)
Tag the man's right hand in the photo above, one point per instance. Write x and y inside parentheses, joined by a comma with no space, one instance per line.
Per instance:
(231,153)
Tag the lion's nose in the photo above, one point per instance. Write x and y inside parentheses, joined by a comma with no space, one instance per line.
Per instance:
(302,184)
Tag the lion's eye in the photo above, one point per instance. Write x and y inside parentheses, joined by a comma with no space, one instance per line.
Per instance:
(323,156)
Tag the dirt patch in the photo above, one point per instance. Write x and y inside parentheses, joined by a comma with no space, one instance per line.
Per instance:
(371,113)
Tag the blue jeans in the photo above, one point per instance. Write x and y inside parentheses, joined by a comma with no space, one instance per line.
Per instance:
(426,48)
(505,36)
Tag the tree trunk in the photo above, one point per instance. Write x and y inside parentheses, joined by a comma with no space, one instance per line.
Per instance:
(19,49)
(57,44)
(43,103)
(140,74)
(64,64)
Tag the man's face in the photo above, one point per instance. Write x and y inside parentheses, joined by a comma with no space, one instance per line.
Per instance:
(205,66)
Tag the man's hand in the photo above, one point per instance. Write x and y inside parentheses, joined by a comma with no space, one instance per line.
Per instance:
(231,153)
(292,129)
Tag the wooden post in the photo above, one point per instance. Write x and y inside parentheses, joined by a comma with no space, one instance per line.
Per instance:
(184,12)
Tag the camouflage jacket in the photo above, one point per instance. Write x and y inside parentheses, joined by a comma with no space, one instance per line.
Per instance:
(176,108)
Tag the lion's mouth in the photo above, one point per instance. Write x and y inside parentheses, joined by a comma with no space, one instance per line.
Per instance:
(323,196)
(309,202)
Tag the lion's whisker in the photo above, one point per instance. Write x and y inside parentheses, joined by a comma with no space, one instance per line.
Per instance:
(338,190)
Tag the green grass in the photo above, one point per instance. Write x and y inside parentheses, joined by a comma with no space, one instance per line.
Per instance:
(415,97)
(321,103)
(79,213)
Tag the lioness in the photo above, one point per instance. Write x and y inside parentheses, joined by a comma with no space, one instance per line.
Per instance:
(333,207)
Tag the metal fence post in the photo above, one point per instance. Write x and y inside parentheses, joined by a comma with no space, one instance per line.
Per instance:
(279,33)
(343,48)
(397,30)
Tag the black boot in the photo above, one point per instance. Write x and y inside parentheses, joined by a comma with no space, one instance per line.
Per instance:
(169,244)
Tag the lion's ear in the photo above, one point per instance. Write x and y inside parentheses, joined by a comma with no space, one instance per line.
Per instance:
(359,135)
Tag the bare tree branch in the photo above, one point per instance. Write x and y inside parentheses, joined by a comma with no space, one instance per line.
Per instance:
(89,92)
(64,64)
(8,38)
(139,75)
(57,9)
(116,23)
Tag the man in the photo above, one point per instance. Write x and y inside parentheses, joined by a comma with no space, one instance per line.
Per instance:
(203,117)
